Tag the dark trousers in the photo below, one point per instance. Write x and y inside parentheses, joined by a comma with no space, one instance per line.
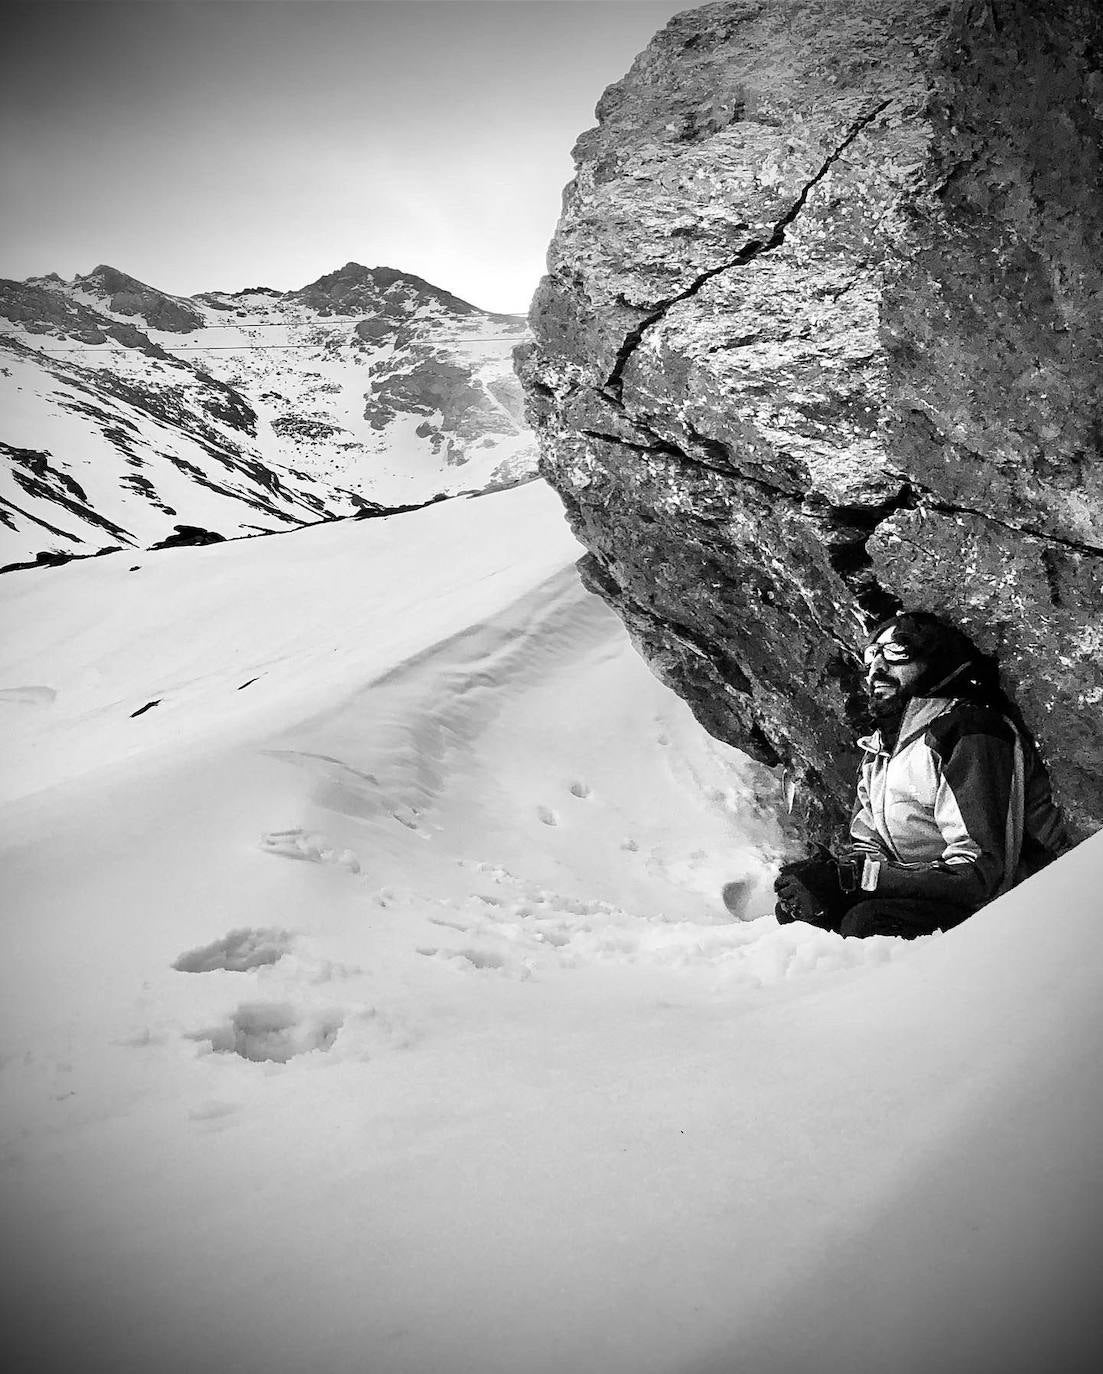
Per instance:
(906,917)
(859,914)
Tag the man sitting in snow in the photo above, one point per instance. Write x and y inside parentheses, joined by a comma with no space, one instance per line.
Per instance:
(953,804)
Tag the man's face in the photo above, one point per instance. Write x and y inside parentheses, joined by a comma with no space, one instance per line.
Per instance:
(891,672)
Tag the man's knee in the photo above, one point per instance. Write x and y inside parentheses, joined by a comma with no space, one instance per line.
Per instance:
(882,917)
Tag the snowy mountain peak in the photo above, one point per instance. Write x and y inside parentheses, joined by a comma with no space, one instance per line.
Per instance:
(129,412)
(355,287)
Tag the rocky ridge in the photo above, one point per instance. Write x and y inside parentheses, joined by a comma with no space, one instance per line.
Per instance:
(821,336)
(129,413)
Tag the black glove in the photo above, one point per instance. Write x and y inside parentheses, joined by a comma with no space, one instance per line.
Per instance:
(797,902)
(819,890)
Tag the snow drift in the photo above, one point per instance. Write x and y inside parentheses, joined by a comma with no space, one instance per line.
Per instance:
(369,1002)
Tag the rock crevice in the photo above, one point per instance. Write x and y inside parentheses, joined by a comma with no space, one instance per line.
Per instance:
(751,250)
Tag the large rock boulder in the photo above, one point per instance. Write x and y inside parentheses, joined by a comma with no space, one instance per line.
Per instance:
(821,336)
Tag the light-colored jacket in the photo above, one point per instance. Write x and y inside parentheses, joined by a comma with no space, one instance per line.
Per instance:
(958,809)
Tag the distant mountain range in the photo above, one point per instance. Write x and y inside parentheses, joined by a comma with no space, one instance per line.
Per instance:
(129,416)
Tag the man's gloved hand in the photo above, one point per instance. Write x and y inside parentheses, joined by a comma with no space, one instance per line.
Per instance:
(818,889)
(797,903)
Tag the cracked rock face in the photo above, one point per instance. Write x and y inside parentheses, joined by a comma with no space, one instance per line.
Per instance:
(821,336)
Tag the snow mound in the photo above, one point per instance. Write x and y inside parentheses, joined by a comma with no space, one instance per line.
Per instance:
(377,998)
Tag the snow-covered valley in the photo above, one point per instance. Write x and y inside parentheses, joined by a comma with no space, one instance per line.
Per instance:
(369,1002)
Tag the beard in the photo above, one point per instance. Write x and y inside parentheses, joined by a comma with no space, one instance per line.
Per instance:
(886,707)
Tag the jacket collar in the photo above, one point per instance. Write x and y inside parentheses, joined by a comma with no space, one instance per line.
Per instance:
(918,714)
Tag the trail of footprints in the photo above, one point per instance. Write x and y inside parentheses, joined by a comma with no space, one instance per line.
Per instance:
(507,929)
(309,846)
(262,1032)
(313,847)
(517,924)
(511,929)
(504,930)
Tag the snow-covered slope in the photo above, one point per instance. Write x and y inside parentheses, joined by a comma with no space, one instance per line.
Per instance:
(125,412)
(368,1002)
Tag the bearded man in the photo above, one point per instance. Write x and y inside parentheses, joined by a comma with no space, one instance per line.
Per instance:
(953,803)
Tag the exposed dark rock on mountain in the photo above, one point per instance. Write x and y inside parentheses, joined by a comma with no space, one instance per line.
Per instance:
(820,336)
(372,510)
(354,287)
(43,309)
(189,536)
(431,386)
(36,477)
(126,296)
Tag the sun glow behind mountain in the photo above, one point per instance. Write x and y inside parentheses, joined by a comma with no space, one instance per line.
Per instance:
(220,145)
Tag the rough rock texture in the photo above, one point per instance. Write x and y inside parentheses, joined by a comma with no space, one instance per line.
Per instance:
(41,309)
(126,296)
(821,335)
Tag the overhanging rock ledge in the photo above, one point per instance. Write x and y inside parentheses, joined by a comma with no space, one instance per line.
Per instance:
(822,335)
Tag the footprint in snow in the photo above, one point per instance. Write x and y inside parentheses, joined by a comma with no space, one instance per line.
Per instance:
(495,872)
(474,960)
(314,848)
(237,952)
(409,817)
(271,1032)
(547,815)
(462,926)
(581,790)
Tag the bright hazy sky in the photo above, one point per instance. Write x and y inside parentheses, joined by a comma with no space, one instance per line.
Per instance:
(234,143)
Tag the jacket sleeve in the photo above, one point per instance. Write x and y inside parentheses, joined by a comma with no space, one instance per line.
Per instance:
(1046,834)
(974,756)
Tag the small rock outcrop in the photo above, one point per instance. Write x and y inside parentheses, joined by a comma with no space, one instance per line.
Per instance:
(821,336)
(189,536)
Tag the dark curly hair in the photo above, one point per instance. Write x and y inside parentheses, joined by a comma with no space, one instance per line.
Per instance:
(954,665)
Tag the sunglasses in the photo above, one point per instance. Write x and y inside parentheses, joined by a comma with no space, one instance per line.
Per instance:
(890,651)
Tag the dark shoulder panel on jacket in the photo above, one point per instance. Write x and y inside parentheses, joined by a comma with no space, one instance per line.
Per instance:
(964,719)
